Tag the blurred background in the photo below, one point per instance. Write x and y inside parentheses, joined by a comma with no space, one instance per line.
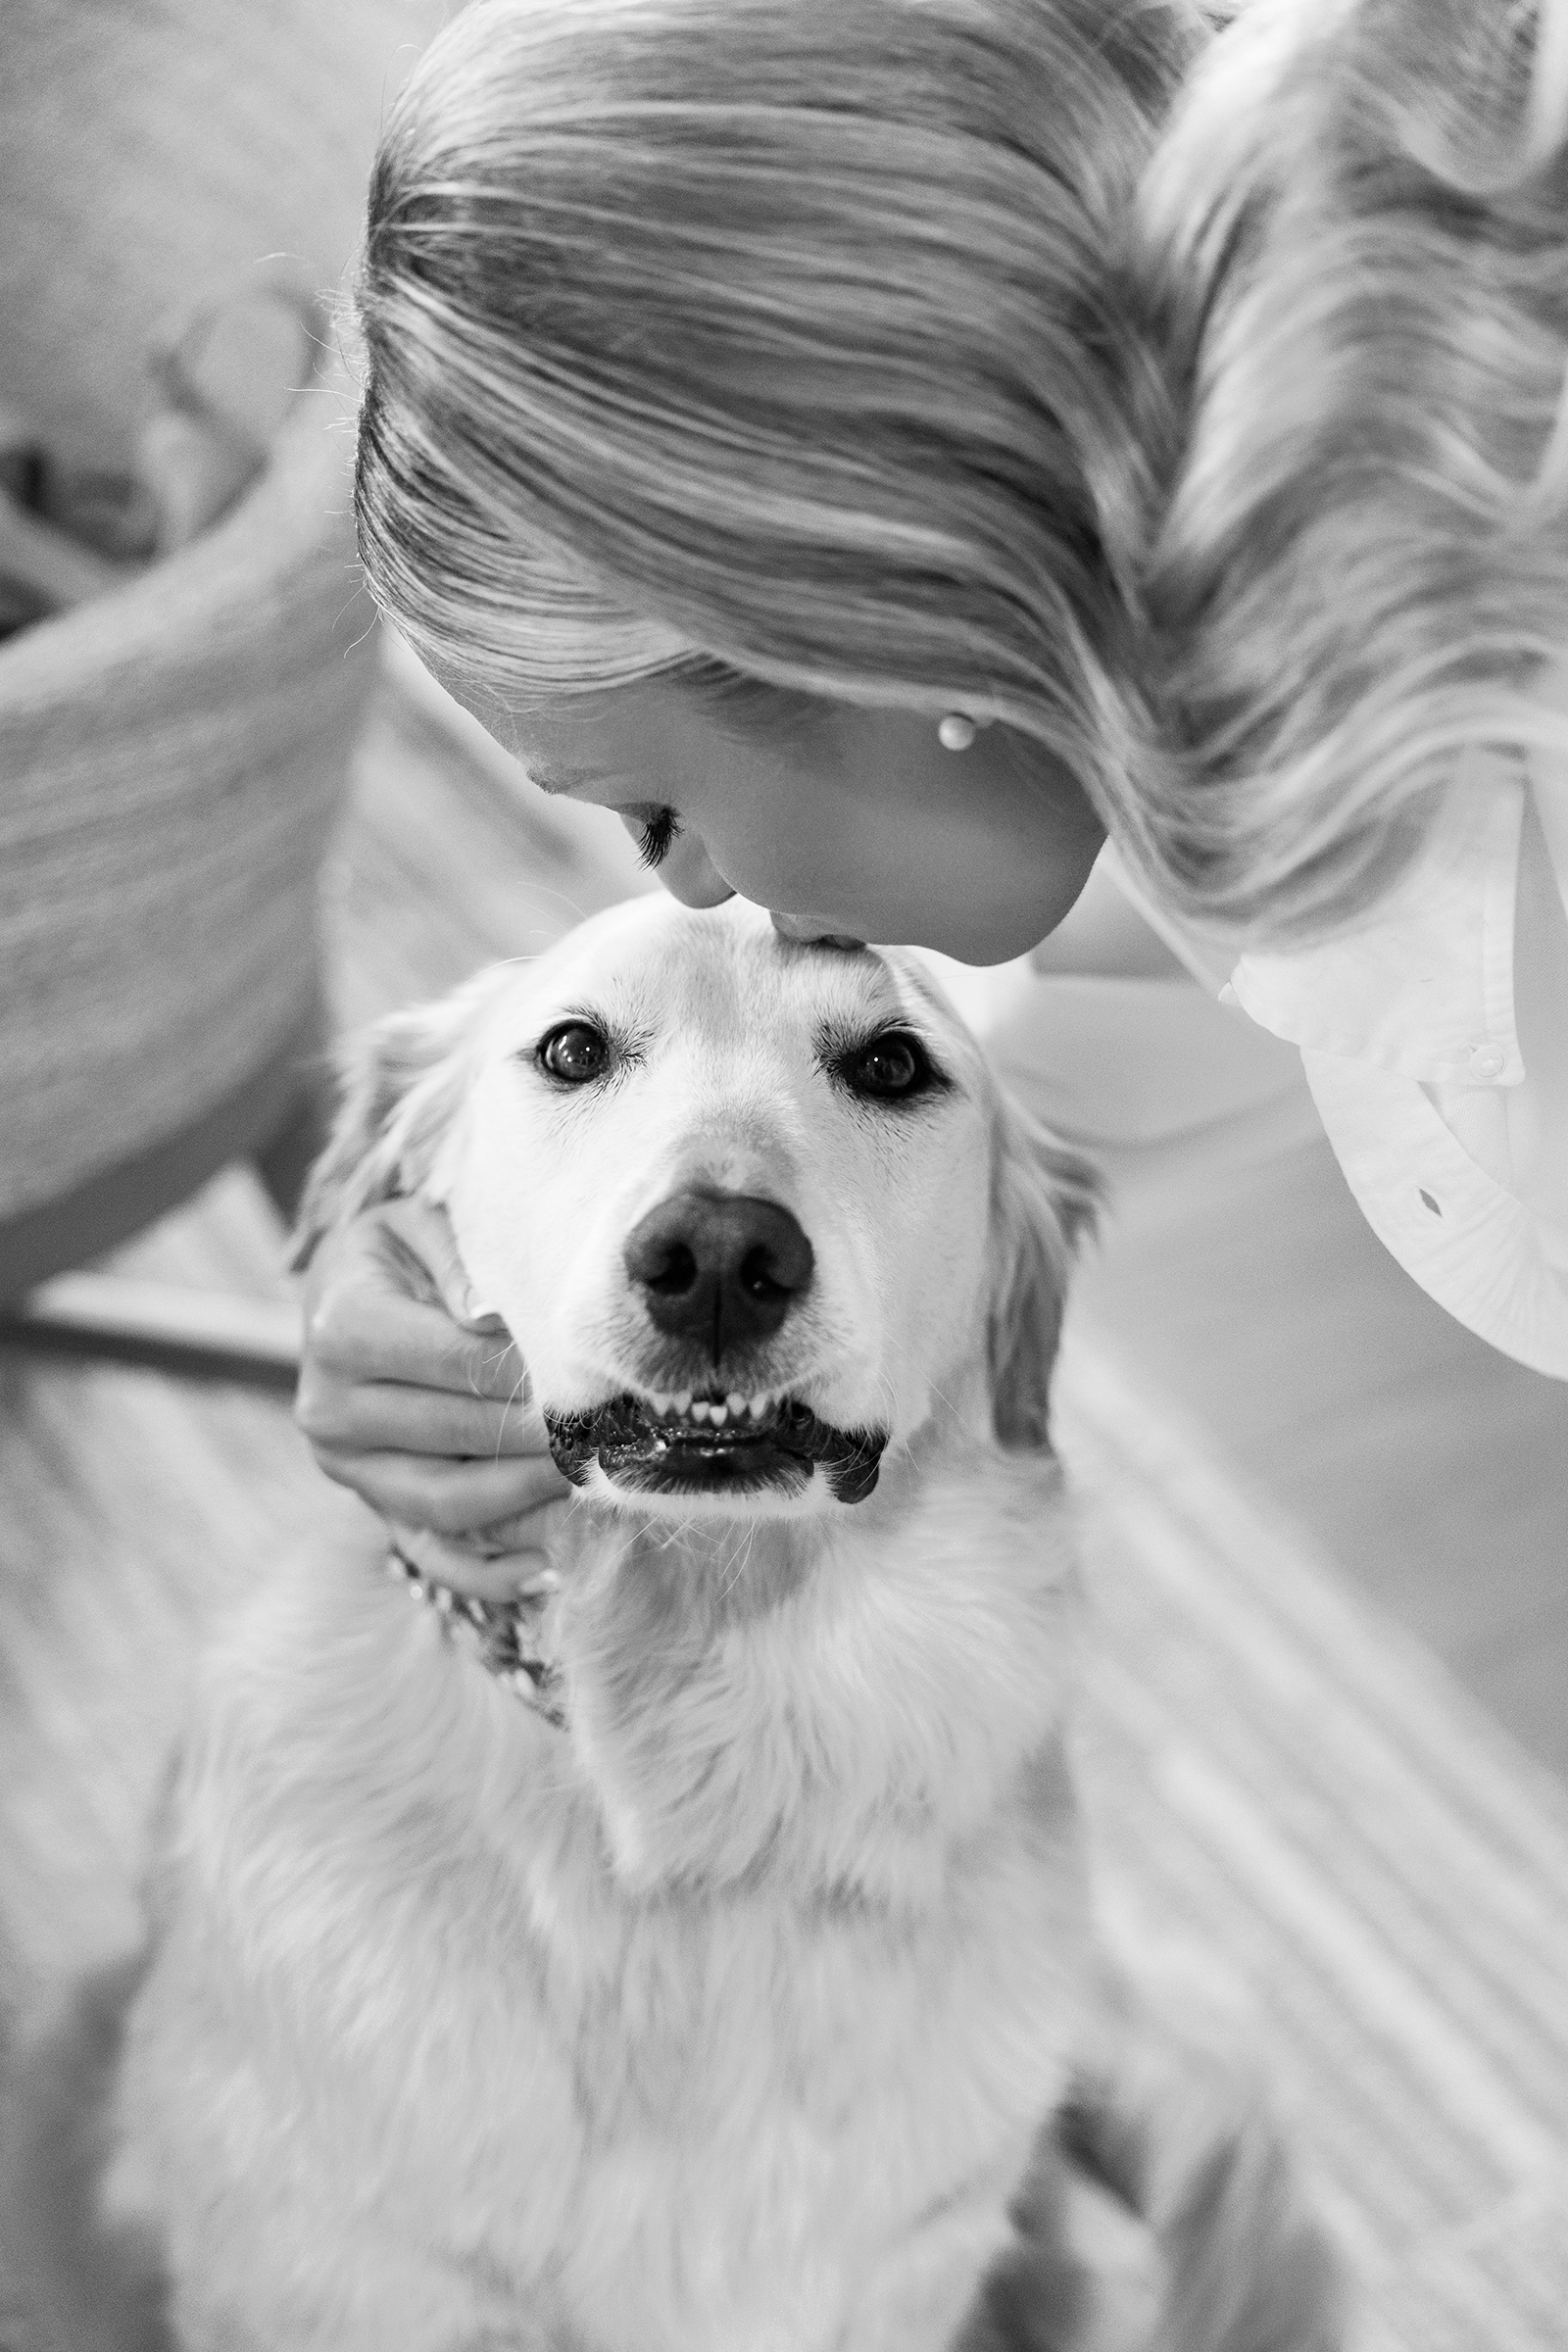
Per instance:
(1326,1738)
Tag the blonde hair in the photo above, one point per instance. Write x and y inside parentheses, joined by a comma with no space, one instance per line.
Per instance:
(1356,256)
(771,337)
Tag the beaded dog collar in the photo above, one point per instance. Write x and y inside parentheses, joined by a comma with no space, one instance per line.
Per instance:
(504,1635)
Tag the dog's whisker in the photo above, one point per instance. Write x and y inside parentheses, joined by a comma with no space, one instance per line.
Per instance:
(519,1387)
(739,1561)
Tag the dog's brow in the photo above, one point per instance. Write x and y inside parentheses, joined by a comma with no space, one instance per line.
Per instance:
(839,1033)
(926,991)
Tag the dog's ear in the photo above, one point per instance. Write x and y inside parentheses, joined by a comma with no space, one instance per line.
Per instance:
(401,1085)
(1043,1200)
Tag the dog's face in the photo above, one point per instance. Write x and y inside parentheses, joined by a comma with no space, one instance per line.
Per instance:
(751,1210)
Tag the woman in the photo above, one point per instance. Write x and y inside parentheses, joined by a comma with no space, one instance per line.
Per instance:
(764,420)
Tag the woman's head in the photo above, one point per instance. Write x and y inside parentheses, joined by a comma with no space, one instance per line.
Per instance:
(777,341)
(1357,248)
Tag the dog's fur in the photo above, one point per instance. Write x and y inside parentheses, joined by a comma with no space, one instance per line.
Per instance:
(729,2019)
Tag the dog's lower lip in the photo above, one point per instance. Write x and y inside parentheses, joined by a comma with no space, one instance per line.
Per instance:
(687,1443)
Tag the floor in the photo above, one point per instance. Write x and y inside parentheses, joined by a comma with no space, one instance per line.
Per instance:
(1430,1470)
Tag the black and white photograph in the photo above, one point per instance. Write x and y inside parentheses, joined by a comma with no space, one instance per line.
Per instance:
(783,1175)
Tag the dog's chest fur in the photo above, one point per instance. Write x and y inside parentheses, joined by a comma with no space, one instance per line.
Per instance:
(674,2023)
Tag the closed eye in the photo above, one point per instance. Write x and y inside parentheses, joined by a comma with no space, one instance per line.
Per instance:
(659,828)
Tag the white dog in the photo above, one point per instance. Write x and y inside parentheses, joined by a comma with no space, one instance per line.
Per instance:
(689,1956)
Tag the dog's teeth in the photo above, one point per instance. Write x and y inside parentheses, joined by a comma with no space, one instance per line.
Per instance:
(683,1403)
(700,1409)
(718,1414)
(758,1406)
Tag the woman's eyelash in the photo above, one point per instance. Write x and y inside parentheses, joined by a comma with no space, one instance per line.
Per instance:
(657,835)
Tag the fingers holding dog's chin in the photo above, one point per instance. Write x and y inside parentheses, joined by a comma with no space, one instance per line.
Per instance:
(451,1498)
(360,1333)
(385,1416)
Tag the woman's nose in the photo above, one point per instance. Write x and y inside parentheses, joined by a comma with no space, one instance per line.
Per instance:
(814,931)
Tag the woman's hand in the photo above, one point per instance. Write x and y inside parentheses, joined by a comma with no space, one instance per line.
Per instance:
(420,1403)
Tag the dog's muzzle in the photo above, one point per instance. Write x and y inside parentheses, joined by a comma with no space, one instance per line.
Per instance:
(706,1446)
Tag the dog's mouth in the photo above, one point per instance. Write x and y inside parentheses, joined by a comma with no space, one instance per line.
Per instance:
(735,1444)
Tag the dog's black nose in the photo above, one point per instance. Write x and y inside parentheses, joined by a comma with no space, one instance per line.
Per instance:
(719,1267)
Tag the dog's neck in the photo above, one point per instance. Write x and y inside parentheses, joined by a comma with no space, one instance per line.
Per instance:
(838,1702)
(516,1637)
(834,1701)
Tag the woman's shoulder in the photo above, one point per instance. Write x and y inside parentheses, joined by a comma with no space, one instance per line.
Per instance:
(1434,1039)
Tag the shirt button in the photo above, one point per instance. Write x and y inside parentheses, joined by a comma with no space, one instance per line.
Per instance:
(1487,1061)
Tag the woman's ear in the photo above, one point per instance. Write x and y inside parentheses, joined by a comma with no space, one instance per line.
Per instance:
(402,1084)
(1043,1202)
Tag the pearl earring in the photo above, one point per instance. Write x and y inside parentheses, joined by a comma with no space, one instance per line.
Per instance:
(955,733)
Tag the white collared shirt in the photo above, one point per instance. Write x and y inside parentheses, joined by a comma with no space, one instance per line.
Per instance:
(1409,1038)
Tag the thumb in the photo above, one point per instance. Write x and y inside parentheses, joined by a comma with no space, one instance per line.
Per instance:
(421,1232)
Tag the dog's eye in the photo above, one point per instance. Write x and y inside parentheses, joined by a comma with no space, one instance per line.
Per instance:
(574,1053)
(891,1067)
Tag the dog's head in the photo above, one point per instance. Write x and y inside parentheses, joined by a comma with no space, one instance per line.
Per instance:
(752,1211)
